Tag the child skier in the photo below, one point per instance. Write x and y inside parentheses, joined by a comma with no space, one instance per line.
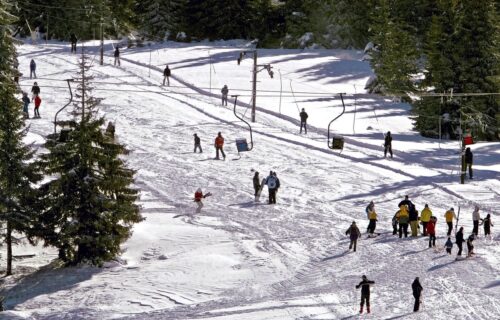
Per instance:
(487,225)
(198,195)
(470,246)
(26,102)
(354,234)
(448,245)
(365,293)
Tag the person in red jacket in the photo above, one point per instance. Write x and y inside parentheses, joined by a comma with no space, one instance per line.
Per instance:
(219,143)
(38,101)
(198,195)
(431,230)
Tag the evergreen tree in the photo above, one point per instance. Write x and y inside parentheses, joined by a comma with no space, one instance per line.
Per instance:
(18,173)
(395,58)
(160,18)
(89,205)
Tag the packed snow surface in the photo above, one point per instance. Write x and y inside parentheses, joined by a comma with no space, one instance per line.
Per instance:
(244,260)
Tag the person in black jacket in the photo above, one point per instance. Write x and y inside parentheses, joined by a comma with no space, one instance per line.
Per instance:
(303,120)
(166,75)
(73,40)
(224,91)
(388,144)
(354,234)
(459,240)
(197,143)
(468,161)
(32,68)
(365,293)
(417,292)
(256,185)
(406,202)
(117,56)
(35,90)
(487,225)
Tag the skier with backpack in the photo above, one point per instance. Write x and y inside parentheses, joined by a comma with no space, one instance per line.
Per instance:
(198,195)
(365,293)
(272,186)
(354,234)
(417,292)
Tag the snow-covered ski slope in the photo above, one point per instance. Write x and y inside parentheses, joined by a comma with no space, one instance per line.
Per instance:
(252,261)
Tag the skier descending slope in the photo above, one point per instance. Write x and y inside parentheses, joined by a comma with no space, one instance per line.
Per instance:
(365,293)
(354,233)
(198,195)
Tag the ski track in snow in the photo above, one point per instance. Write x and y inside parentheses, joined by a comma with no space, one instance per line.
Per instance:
(295,251)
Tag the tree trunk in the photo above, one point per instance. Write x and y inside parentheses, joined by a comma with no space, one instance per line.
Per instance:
(8,240)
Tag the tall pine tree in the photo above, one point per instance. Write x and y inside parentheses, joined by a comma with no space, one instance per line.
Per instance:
(18,171)
(89,205)
(161,18)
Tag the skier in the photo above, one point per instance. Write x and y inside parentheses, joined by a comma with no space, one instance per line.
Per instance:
(35,90)
(354,233)
(470,246)
(197,143)
(388,144)
(459,240)
(369,208)
(38,101)
(487,225)
(403,221)
(219,144)
(272,186)
(468,161)
(448,245)
(278,184)
(406,202)
(110,129)
(256,185)
(425,217)
(303,120)
(395,222)
(26,102)
(73,40)
(32,68)
(198,195)
(413,218)
(224,92)
(417,292)
(431,230)
(372,215)
(117,56)
(450,215)
(166,75)
(475,220)
(365,293)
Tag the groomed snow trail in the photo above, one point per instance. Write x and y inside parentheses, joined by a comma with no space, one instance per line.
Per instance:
(244,260)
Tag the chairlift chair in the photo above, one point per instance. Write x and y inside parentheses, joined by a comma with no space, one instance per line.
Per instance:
(242,144)
(337,140)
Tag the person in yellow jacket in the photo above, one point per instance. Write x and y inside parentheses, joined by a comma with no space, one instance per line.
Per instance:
(449,216)
(425,217)
(404,218)
(372,215)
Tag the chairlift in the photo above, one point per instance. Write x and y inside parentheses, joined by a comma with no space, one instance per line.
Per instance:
(64,134)
(242,144)
(337,140)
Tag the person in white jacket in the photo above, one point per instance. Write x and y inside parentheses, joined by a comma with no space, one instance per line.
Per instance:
(475,220)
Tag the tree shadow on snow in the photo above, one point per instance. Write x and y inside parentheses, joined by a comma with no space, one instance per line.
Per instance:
(335,256)
(47,280)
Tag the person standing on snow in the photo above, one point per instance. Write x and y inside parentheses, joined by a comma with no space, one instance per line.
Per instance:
(197,143)
(413,218)
(407,202)
(416,287)
(388,144)
(487,225)
(470,246)
(166,75)
(303,120)
(354,234)
(475,221)
(395,223)
(459,240)
(117,56)
(38,102)
(372,215)
(365,293)
(26,102)
(368,208)
(224,92)
(272,186)
(256,184)
(73,40)
(403,221)
(219,144)
(448,245)
(425,217)
(449,216)
(198,195)
(431,230)
(35,90)
(468,161)
(32,68)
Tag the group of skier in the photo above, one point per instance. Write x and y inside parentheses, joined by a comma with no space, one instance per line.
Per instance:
(273,184)
(407,215)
